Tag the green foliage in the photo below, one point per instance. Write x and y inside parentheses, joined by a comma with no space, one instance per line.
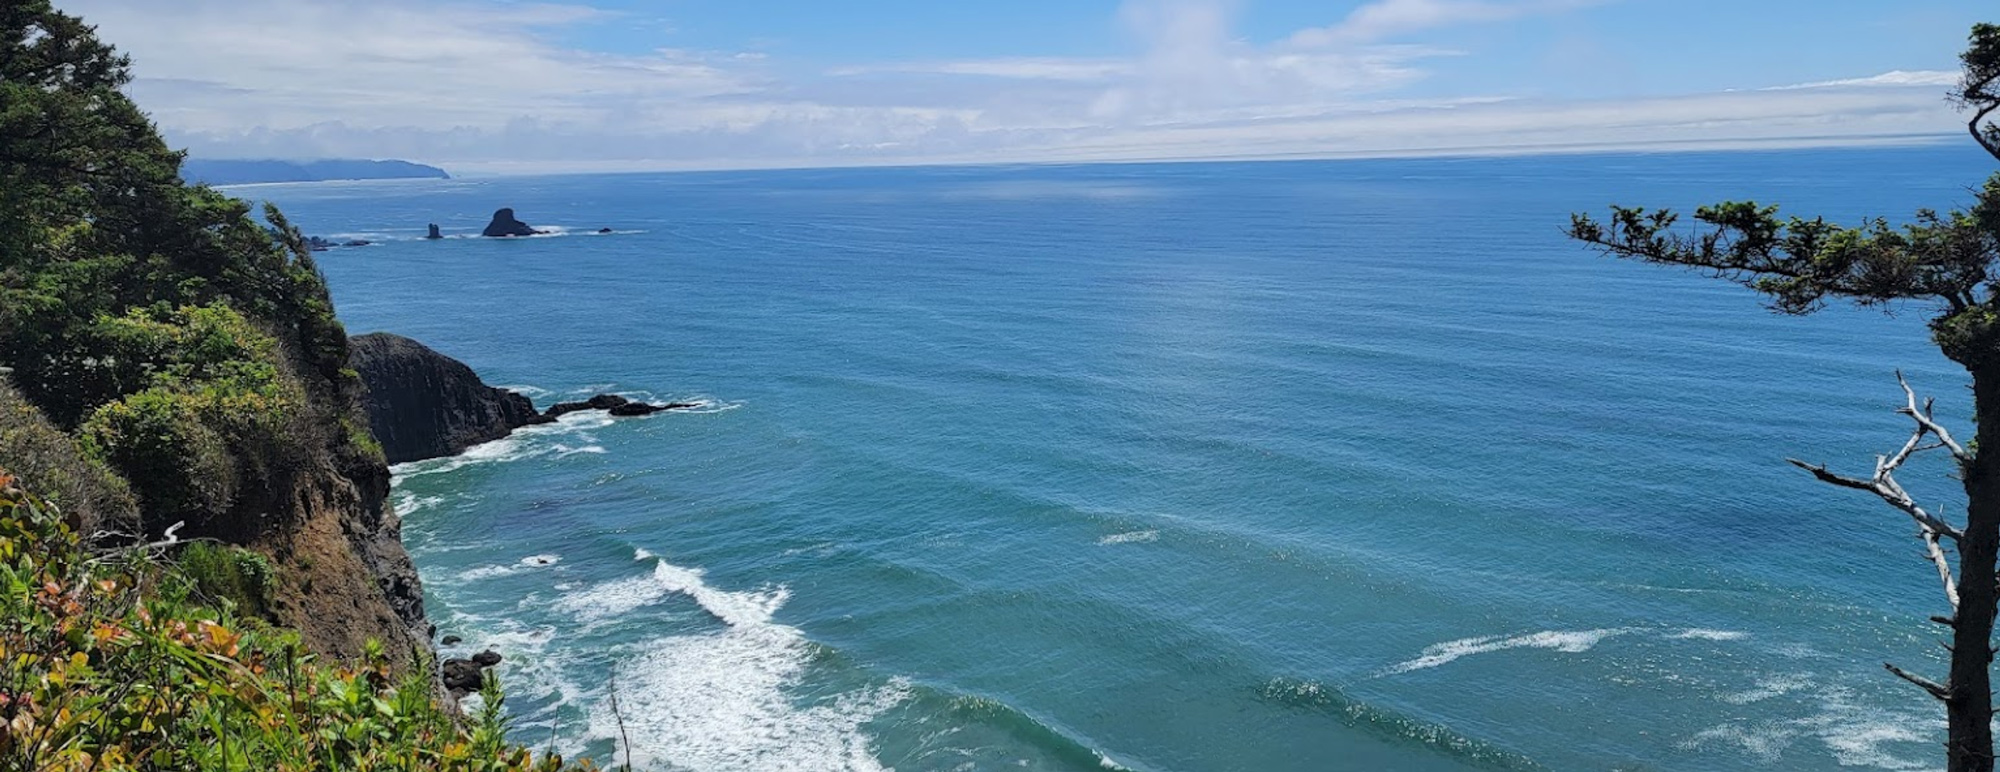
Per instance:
(238,579)
(101,670)
(193,348)
(1949,262)
(1980,90)
(47,459)
(210,412)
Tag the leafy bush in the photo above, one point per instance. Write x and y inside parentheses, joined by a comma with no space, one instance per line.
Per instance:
(209,411)
(104,671)
(234,577)
(48,460)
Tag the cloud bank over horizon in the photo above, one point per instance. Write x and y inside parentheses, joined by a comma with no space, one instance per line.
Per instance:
(485,85)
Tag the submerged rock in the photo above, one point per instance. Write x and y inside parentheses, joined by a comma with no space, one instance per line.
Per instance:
(504,225)
(422,404)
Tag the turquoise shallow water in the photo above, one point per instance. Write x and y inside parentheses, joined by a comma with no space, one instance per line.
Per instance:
(1287,466)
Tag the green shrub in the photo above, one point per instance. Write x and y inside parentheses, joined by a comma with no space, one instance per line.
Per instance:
(104,671)
(46,459)
(233,576)
(159,440)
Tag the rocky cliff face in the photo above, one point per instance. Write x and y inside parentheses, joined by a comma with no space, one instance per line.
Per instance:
(423,404)
(347,578)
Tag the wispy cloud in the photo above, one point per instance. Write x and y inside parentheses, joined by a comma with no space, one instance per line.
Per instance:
(1388,19)
(1892,79)
(292,78)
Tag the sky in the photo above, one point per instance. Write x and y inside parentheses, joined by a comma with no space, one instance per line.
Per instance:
(498,86)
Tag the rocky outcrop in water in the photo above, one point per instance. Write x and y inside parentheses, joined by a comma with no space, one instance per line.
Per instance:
(504,224)
(615,405)
(434,234)
(465,676)
(423,404)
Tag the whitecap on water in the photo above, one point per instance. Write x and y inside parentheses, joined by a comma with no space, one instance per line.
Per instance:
(725,700)
(1703,634)
(1570,642)
(1566,641)
(1130,537)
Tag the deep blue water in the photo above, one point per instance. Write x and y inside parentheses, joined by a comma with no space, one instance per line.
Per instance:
(1244,466)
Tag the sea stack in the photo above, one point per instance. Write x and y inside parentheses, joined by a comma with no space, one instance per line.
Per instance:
(434,234)
(504,224)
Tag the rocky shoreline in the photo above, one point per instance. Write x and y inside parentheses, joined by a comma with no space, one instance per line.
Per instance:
(422,404)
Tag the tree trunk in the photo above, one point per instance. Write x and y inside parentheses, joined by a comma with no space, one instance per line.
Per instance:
(1969,708)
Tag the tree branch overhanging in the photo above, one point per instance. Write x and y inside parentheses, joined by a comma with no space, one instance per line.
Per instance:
(1935,689)
(1933,530)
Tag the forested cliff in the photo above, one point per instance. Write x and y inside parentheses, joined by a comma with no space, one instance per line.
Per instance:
(175,361)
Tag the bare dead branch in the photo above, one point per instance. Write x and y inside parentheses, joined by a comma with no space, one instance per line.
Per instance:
(1893,495)
(1934,688)
(1936,553)
(1931,528)
(1924,419)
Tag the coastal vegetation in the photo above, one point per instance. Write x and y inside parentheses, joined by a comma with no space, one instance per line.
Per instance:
(1947,262)
(115,661)
(217,582)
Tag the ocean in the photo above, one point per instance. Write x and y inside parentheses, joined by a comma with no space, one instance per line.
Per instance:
(1314,465)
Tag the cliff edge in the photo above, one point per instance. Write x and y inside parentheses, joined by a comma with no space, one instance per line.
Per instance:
(422,404)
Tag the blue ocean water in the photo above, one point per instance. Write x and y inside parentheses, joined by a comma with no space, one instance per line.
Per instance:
(1347,465)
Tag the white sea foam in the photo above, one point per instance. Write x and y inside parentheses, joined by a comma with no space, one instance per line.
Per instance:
(524,565)
(724,700)
(1855,735)
(526,442)
(1568,642)
(1130,537)
(612,599)
(1769,687)
(1703,634)
(407,504)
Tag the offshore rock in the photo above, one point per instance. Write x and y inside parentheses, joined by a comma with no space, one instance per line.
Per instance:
(504,225)
(464,676)
(599,402)
(615,405)
(631,409)
(422,404)
(434,234)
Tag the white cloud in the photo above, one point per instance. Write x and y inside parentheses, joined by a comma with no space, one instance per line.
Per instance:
(1894,78)
(1390,18)
(392,78)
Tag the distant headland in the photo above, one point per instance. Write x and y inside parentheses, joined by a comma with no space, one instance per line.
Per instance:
(243,172)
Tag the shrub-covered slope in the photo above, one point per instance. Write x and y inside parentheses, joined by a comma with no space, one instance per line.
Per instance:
(165,336)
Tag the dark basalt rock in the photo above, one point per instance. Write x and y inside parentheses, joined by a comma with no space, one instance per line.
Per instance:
(422,404)
(631,409)
(599,402)
(504,225)
(434,234)
(616,405)
(322,244)
(603,230)
(464,676)
(451,640)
